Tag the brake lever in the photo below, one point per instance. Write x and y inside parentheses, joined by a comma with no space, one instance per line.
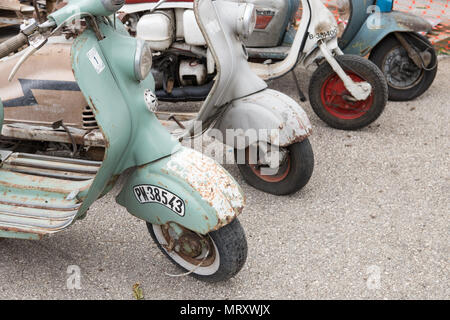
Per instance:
(36,43)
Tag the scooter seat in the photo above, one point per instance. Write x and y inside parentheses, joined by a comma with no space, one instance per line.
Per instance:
(38,194)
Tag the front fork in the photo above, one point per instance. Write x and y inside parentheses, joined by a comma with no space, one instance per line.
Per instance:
(359,90)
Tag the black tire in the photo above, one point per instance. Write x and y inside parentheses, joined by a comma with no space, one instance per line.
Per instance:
(301,167)
(383,56)
(360,113)
(231,244)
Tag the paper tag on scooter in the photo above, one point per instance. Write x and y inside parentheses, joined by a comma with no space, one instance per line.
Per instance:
(96,60)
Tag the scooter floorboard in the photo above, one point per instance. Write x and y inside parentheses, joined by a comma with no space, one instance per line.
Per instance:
(38,193)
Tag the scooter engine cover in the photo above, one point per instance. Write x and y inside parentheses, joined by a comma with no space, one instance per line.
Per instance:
(158,29)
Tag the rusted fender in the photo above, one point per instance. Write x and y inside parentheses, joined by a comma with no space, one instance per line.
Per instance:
(211,197)
(379,25)
(269,111)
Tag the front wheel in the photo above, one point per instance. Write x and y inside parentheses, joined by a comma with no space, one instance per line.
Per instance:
(334,104)
(292,174)
(405,79)
(215,257)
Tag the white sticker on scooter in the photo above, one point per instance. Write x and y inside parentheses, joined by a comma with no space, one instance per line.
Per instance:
(152,194)
(213,26)
(96,60)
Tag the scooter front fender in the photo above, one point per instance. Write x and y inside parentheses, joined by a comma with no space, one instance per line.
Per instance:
(379,25)
(274,112)
(211,197)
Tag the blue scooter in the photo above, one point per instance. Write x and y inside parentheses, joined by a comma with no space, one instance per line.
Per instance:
(393,42)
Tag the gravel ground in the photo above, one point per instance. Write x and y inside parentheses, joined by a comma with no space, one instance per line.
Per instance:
(373,223)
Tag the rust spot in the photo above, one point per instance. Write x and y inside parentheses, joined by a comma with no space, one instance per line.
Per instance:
(16,230)
(323,27)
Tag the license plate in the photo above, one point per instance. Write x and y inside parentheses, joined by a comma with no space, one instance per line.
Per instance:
(153,194)
(324,35)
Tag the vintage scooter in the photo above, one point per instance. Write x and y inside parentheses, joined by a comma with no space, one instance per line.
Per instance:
(347,92)
(269,130)
(392,40)
(188,201)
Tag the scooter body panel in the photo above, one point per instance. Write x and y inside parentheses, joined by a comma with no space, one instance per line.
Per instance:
(44,90)
(278,117)
(378,25)
(211,198)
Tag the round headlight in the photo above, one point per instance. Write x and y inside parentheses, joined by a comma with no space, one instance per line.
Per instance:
(246,20)
(143,60)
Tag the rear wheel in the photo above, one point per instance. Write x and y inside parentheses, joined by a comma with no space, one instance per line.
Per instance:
(334,104)
(293,173)
(406,81)
(215,257)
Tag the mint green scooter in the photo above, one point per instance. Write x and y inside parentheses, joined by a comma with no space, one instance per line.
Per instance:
(189,202)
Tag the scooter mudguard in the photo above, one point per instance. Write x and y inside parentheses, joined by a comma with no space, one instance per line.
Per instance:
(268,111)
(186,188)
(379,25)
(119,107)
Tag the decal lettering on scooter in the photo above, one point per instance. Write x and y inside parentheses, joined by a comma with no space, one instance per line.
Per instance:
(96,60)
(152,194)
(29,99)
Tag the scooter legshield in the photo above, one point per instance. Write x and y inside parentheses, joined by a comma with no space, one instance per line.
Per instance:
(133,135)
(199,194)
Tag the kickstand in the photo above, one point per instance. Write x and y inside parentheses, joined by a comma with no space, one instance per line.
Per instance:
(300,92)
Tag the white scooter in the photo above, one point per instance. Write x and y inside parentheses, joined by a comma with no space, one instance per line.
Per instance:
(346,91)
(269,128)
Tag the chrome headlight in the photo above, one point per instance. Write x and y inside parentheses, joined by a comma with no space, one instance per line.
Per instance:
(143,60)
(246,20)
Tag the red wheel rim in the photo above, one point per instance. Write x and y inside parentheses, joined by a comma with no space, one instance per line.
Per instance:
(335,100)
(282,173)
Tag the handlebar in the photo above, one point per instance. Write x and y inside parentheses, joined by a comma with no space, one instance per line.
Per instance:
(13,44)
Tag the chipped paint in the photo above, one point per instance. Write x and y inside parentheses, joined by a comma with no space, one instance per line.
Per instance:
(35,202)
(211,181)
(271,111)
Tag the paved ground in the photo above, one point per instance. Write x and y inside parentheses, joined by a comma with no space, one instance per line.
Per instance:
(372,223)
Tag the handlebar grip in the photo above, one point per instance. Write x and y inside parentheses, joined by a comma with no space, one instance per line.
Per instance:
(13,44)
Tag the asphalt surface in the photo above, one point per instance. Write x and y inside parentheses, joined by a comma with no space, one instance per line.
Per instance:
(373,223)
